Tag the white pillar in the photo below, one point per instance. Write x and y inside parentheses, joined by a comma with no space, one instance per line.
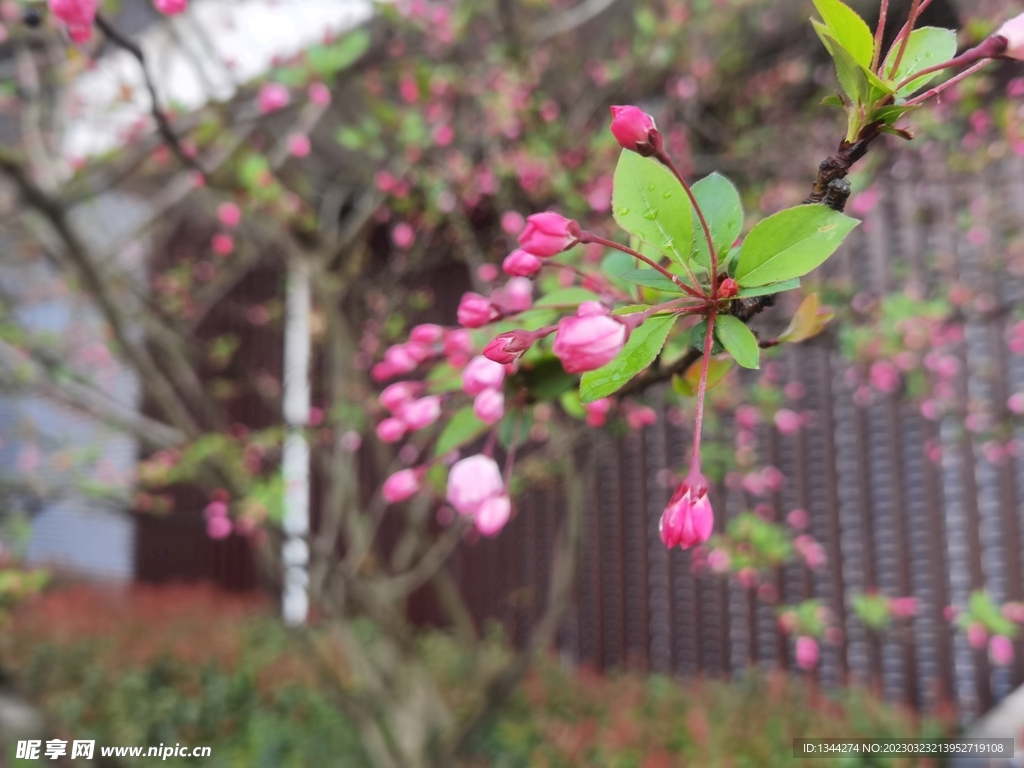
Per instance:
(295,456)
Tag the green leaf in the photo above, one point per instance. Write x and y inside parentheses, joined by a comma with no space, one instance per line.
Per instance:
(650,204)
(699,334)
(566,297)
(790,244)
(738,340)
(644,345)
(767,290)
(849,71)
(889,115)
(546,379)
(835,100)
(723,211)
(649,278)
(848,29)
(463,428)
(515,425)
(926,47)
(328,60)
(570,401)
(443,378)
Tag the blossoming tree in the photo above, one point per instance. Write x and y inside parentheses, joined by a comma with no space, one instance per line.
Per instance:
(591,316)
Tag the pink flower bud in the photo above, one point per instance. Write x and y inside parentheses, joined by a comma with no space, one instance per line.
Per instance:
(597,411)
(1013,31)
(506,348)
(400,359)
(522,264)
(171,7)
(272,97)
(391,430)
(320,94)
(489,406)
(218,527)
(590,308)
(728,288)
(401,485)
(472,481)
(78,15)
(806,652)
(903,607)
(640,416)
(977,635)
(421,413)
(587,343)
(299,145)
(1001,649)
(216,509)
(798,518)
(458,345)
(480,374)
(476,311)
(688,518)
(634,129)
(546,234)
(492,515)
(222,244)
(884,376)
(403,235)
(427,333)
(229,214)
(512,222)
(398,394)
(787,421)
(515,296)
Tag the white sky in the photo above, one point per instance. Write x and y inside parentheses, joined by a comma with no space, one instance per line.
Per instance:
(186,55)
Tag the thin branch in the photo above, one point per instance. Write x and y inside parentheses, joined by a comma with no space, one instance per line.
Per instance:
(163,125)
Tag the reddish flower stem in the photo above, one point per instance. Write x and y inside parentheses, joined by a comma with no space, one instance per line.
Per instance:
(951,82)
(702,391)
(879,33)
(579,272)
(589,237)
(665,160)
(904,37)
(905,29)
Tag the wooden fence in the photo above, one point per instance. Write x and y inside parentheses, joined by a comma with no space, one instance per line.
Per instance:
(890,517)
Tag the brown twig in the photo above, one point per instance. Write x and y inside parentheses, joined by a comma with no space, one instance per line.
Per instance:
(163,125)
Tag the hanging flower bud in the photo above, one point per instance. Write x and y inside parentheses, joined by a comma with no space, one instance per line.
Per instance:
(489,406)
(806,652)
(480,374)
(78,15)
(1001,649)
(391,430)
(398,394)
(508,347)
(427,333)
(476,311)
(472,481)
(272,97)
(546,234)
(492,515)
(634,129)
(688,518)
(522,264)
(401,485)
(1013,32)
(589,342)
(421,413)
